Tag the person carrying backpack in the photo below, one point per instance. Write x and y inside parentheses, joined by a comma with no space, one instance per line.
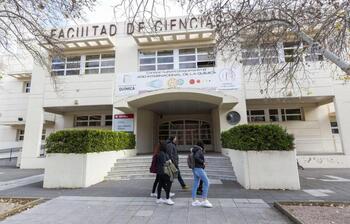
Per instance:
(196,162)
(166,172)
(153,169)
(173,154)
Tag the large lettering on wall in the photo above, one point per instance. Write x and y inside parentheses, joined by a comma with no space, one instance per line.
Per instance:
(111,29)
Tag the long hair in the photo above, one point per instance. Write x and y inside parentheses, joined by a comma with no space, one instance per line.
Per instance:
(162,148)
(156,149)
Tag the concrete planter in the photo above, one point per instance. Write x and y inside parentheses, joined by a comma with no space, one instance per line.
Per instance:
(265,169)
(79,170)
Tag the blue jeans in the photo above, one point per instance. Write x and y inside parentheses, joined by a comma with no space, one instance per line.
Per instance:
(200,174)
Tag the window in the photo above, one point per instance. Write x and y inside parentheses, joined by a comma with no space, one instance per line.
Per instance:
(280,53)
(43,134)
(334,127)
(20,135)
(273,114)
(291,114)
(188,132)
(196,58)
(187,58)
(263,54)
(108,120)
(156,60)
(290,51)
(88,64)
(256,115)
(65,66)
(88,121)
(99,63)
(26,87)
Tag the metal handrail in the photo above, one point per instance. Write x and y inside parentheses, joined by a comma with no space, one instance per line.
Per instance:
(19,149)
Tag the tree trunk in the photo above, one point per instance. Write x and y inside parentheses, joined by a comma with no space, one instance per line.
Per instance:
(341,63)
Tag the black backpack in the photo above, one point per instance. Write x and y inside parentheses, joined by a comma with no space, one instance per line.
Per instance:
(190,160)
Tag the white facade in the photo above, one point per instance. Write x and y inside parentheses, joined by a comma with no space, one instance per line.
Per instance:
(93,84)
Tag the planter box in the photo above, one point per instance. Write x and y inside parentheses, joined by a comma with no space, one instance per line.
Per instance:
(79,170)
(265,169)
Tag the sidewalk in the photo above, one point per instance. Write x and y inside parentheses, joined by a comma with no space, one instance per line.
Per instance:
(131,210)
(317,184)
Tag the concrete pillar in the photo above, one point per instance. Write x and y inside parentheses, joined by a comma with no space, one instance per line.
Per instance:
(215,116)
(144,131)
(34,122)
(342,110)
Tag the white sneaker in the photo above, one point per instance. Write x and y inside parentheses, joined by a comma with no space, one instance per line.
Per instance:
(169,202)
(153,194)
(196,203)
(160,201)
(206,204)
(171,194)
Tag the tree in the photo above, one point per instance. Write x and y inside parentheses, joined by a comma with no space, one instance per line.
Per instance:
(25,23)
(318,28)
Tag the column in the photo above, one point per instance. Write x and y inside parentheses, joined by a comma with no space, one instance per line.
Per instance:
(34,122)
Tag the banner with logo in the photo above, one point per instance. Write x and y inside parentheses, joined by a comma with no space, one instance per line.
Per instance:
(135,83)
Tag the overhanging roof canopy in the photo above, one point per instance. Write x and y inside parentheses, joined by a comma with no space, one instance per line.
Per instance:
(20,75)
(146,39)
(78,44)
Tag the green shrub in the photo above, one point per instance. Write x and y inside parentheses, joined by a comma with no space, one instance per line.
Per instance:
(89,140)
(249,137)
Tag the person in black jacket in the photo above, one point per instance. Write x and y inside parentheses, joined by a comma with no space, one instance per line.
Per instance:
(172,152)
(200,174)
(164,180)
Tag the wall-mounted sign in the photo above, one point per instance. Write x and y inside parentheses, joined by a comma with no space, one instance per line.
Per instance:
(96,30)
(123,122)
(163,25)
(203,78)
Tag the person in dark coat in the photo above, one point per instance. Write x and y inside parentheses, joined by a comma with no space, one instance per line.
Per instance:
(164,180)
(153,169)
(172,152)
(200,174)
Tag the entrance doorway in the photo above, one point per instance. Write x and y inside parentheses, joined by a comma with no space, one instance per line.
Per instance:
(188,132)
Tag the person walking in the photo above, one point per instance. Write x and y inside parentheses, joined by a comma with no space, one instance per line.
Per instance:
(153,169)
(174,156)
(200,174)
(164,180)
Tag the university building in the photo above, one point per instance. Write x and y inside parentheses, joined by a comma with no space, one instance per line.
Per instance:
(115,76)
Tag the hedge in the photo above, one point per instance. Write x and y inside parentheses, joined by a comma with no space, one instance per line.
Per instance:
(249,137)
(90,140)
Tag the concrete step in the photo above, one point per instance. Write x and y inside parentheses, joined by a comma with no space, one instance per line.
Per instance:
(137,167)
(146,169)
(181,165)
(151,177)
(183,172)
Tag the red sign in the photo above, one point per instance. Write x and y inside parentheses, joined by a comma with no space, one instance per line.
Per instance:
(123,116)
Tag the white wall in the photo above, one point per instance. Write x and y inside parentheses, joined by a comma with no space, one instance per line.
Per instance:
(265,169)
(79,170)
(313,135)
(318,81)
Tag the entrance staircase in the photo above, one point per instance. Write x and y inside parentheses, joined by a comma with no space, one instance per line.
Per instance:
(219,167)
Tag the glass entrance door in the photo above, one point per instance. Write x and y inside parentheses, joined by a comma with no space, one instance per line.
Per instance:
(188,132)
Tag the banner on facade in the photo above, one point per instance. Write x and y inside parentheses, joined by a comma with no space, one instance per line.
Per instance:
(123,122)
(129,84)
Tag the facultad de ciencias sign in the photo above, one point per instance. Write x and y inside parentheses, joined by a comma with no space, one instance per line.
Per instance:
(110,29)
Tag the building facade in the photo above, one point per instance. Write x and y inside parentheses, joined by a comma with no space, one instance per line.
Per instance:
(118,76)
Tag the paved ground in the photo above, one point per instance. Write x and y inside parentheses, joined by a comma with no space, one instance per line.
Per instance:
(317,184)
(99,210)
(13,173)
(125,201)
